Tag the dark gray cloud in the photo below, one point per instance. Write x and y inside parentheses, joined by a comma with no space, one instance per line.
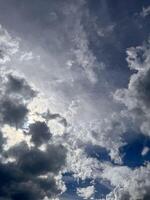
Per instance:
(21,178)
(38,162)
(2,141)
(40,133)
(15,96)
(63,121)
(17,85)
(50,116)
(16,185)
(142,88)
(13,113)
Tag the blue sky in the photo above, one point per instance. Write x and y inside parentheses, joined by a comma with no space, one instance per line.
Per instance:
(74,99)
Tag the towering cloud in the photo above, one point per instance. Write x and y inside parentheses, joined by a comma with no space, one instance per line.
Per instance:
(130,184)
(137,96)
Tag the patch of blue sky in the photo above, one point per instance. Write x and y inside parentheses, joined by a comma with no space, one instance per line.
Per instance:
(132,152)
(98,152)
(102,188)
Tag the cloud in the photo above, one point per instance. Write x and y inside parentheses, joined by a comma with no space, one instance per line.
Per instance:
(15,96)
(26,56)
(26,171)
(16,85)
(105,31)
(132,184)
(34,169)
(2,141)
(13,113)
(13,137)
(136,97)
(145,151)
(40,133)
(15,184)
(51,116)
(84,56)
(129,183)
(31,174)
(138,58)
(86,193)
(108,133)
(37,162)
(8,46)
(145,12)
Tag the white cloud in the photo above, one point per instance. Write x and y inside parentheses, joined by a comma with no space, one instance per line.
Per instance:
(138,58)
(136,97)
(131,183)
(108,134)
(26,56)
(105,31)
(82,165)
(84,56)
(14,137)
(86,193)
(145,151)
(145,11)
(8,46)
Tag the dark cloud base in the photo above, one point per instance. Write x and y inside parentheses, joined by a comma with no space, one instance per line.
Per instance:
(21,179)
(31,175)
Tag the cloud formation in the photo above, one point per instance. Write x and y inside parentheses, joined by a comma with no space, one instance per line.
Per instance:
(86,193)
(145,11)
(40,133)
(134,184)
(75,43)
(130,184)
(136,97)
(8,46)
(26,171)
(16,184)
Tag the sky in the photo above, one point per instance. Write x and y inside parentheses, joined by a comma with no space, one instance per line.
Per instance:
(74,100)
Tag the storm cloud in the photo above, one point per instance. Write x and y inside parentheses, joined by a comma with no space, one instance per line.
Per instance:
(40,133)
(13,113)
(26,172)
